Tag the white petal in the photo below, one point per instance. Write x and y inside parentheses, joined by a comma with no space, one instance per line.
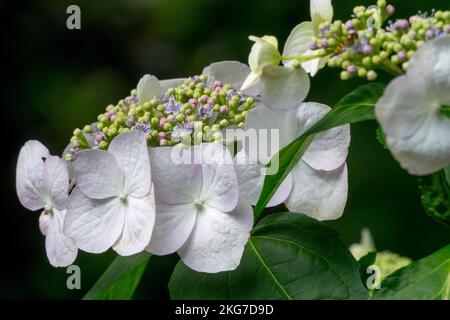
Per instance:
(44,221)
(171,83)
(218,239)
(404,107)
(94,225)
(30,183)
(427,151)
(57,181)
(61,250)
(264,52)
(229,72)
(251,182)
(250,82)
(174,181)
(283,88)
(298,42)
(131,153)
(321,11)
(431,63)
(272,127)
(98,175)
(138,227)
(173,225)
(148,87)
(313,66)
(329,149)
(220,188)
(319,194)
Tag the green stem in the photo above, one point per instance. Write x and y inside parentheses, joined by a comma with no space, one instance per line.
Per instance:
(302,58)
(445,110)
(392,69)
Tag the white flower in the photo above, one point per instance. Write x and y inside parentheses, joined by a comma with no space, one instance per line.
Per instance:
(411,111)
(198,210)
(298,42)
(317,186)
(280,87)
(264,53)
(42,182)
(149,87)
(113,203)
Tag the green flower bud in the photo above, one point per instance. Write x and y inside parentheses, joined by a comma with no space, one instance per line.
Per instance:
(167,127)
(372,75)
(123,130)
(147,106)
(382,4)
(362,73)
(88,129)
(367,62)
(345,75)
(154,121)
(180,117)
(78,133)
(376,60)
(103,145)
(224,123)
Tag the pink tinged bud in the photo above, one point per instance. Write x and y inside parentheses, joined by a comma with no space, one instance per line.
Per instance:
(163,142)
(218,83)
(349,25)
(203,99)
(170,118)
(367,49)
(352,69)
(161,135)
(224,109)
(401,55)
(430,34)
(324,43)
(352,32)
(193,102)
(162,122)
(217,89)
(447,28)
(401,24)
(211,101)
(390,9)
(98,138)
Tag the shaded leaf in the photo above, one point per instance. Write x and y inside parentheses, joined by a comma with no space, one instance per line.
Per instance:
(289,256)
(426,279)
(121,278)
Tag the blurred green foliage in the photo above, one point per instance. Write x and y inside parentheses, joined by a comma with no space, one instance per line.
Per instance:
(58,79)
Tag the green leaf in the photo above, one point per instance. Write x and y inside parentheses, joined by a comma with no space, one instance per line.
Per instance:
(289,256)
(381,137)
(447,175)
(120,279)
(355,107)
(364,263)
(435,197)
(425,279)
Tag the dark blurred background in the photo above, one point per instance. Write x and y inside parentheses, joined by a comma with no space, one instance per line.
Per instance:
(60,79)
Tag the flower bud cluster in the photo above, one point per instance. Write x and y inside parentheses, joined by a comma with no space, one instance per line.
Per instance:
(361,46)
(199,106)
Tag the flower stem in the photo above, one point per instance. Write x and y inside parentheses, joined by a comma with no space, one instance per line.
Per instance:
(302,58)
(445,110)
